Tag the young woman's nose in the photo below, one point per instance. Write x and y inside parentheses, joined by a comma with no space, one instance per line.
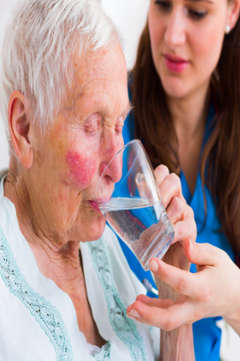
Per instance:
(175,28)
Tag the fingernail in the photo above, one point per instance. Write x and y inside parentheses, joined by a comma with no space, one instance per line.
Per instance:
(133,313)
(153,266)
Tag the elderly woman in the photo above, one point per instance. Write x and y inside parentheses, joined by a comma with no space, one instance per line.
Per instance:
(64,93)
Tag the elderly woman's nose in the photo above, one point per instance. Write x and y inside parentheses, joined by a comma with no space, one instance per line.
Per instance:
(111,144)
(113,170)
(111,166)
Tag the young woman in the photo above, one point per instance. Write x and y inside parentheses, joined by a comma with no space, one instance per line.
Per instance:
(185,90)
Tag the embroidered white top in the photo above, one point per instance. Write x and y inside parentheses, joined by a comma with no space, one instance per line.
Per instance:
(38,320)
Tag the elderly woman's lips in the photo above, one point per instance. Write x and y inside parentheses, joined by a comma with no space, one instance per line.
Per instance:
(97,203)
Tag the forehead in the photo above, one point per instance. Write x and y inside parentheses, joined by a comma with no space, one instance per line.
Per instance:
(101,65)
(100,73)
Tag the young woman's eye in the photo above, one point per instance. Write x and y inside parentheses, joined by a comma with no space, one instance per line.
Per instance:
(197,14)
(164,5)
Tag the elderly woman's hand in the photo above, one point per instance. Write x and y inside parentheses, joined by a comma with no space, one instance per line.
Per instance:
(175,345)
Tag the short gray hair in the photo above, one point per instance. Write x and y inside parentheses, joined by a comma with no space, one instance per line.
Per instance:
(38,46)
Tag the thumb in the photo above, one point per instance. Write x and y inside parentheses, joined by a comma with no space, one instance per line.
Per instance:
(202,254)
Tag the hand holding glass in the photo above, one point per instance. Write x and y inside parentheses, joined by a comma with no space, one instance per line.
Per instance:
(135,211)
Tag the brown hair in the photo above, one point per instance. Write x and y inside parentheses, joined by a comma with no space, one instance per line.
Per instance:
(222,152)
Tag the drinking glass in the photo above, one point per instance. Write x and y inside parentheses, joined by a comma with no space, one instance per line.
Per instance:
(135,211)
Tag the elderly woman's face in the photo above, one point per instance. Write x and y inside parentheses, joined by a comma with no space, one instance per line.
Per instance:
(66,173)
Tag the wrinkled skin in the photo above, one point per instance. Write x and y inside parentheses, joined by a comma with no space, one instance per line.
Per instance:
(57,181)
(55,178)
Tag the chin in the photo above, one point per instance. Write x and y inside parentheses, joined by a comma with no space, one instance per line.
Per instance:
(177,88)
(93,229)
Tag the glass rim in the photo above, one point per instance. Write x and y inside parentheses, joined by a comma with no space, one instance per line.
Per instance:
(138,143)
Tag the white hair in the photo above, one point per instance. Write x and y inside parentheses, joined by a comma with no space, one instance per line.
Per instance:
(39,43)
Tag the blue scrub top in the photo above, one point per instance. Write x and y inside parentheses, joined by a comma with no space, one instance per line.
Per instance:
(206,333)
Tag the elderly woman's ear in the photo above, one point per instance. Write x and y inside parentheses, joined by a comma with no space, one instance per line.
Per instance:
(19,128)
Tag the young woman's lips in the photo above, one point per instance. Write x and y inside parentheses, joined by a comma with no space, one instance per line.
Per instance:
(175,64)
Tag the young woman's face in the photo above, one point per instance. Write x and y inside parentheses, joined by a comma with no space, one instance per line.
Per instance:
(186,41)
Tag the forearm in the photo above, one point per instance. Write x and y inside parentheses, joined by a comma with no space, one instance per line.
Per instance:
(234,321)
(232,315)
(177,345)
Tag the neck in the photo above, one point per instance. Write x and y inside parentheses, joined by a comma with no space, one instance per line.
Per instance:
(58,259)
(62,265)
(189,115)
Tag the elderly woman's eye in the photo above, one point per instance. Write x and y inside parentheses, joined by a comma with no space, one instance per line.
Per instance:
(119,125)
(92,124)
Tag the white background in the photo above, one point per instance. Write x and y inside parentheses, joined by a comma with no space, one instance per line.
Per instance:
(129,16)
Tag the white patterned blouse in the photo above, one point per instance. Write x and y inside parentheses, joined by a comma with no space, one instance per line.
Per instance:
(38,320)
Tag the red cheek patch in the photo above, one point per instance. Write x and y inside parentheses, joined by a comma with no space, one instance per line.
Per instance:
(81,168)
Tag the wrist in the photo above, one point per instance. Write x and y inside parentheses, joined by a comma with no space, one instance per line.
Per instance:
(233,320)
(177,344)
(233,317)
